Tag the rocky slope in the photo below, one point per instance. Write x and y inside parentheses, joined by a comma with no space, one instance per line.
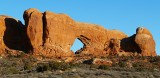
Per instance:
(119,67)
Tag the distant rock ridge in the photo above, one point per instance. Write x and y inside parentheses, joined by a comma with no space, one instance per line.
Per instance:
(52,35)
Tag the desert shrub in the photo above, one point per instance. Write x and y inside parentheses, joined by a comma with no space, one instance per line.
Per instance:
(52,66)
(122,64)
(154,59)
(123,58)
(114,64)
(59,65)
(8,70)
(27,66)
(94,66)
(141,66)
(72,65)
(28,63)
(13,70)
(43,67)
(138,64)
(145,66)
(140,69)
(5,63)
(88,61)
(21,55)
(156,65)
(104,67)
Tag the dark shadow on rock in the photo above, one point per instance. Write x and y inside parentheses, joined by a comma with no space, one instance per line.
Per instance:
(15,36)
(129,44)
(27,44)
(45,31)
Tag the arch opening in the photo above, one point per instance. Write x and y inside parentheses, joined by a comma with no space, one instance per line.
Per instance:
(77,45)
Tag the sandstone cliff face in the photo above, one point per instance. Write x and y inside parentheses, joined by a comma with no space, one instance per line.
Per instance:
(51,35)
(34,24)
(58,34)
(59,30)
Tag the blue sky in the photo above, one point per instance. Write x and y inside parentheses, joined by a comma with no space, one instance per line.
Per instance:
(124,15)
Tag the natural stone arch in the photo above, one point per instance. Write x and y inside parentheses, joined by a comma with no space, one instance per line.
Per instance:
(52,35)
(77,45)
(94,38)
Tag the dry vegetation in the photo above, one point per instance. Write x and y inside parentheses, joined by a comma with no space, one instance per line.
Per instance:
(122,67)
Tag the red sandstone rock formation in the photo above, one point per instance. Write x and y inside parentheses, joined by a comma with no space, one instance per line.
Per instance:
(145,41)
(142,43)
(59,32)
(52,35)
(34,24)
(114,47)
(96,38)
(58,35)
